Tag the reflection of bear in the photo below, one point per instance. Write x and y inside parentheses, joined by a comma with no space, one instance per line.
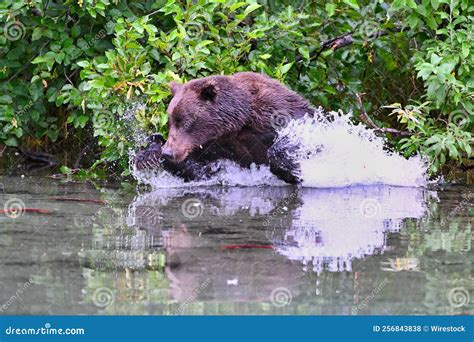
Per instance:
(231,117)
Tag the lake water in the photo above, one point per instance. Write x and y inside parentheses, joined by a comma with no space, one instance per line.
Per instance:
(234,250)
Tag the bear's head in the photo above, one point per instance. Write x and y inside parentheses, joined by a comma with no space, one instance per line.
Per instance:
(202,111)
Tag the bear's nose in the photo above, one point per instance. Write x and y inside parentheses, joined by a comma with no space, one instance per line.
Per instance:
(167,153)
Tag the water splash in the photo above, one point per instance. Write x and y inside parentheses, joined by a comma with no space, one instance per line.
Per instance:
(333,152)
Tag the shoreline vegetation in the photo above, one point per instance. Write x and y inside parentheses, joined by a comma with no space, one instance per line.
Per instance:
(70,72)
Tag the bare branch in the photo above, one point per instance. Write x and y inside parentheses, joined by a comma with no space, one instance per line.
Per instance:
(368,121)
(348,38)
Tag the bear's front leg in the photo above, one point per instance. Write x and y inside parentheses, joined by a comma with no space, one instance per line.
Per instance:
(150,158)
(282,161)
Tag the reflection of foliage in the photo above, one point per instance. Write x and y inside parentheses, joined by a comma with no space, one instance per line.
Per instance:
(454,240)
(446,230)
(132,289)
(439,242)
(122,259)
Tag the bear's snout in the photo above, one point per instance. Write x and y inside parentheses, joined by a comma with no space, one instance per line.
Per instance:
(176,150)
(167,153)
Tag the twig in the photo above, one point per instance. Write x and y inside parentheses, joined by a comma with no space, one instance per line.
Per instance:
(347,39)
(368,121)
(37,157)
(77,163)
(69,80)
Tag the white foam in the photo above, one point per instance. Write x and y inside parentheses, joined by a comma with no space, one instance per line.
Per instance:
(333,153)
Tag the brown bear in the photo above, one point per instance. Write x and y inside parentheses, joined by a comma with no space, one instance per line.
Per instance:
(231,117)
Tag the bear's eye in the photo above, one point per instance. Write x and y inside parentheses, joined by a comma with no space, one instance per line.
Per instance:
(178,121)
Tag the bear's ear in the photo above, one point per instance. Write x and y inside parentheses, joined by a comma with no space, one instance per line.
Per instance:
(208,92)
(175,87)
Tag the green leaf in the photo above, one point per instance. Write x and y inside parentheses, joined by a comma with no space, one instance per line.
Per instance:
(465,49)
(237,5)
(251,8)
(6,99)
(303,50)
(453,152)
(431,22)
(447,67)
(412,4)
(36,34)
(353,3)
(285,68)
(435,59)
(431,140)
(83,64)
(11,142)
(330,9)
(413,20)
(398,4)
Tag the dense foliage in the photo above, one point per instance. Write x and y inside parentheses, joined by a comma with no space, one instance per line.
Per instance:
(71,70)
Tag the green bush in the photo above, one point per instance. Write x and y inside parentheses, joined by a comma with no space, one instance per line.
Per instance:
(71,70)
